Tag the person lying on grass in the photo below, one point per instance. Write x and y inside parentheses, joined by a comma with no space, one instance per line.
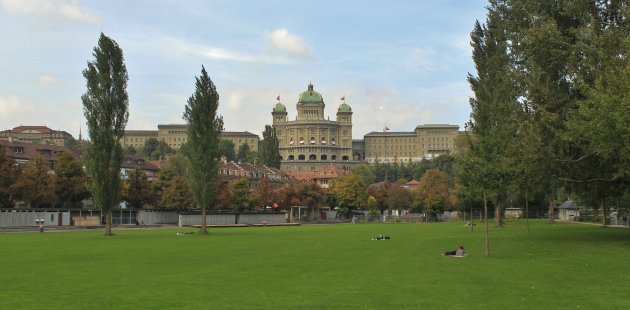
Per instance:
(457,253)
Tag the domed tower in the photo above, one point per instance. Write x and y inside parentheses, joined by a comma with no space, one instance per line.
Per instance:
(279,113)
(344,119)
(310,105)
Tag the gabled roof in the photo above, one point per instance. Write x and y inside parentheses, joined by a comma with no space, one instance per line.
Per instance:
(569,205)
(29,151)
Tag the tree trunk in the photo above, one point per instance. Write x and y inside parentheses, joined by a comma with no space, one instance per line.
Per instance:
(527,212)
(472,224)
(204,229)
(497,213)
(551,212)
(108,223)
(604,213)
(485,210)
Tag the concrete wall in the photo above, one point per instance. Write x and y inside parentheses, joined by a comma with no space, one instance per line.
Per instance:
(149,217)
(258,218)
(231,218)
(211,219)
(13,218)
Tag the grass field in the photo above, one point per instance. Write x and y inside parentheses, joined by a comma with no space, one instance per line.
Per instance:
(561,266)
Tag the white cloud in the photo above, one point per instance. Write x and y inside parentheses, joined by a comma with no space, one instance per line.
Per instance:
(182,46)
(288,44)
(47,80)
(8,104)
(66,9)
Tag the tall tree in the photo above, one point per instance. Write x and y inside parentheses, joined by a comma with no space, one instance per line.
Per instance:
(70,182)
(349,193)
(9,174)
(202,151)
(269,151)
(106,105)
(226,148)
(35,184)
(241,155)
(137,190)
(239,189)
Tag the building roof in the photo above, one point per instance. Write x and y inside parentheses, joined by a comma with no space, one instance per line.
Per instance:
(433,126)
(238,133)
(310,96)
(279,107)
(40,129)
(27,151)
(344,107)
(330,171)
(141,132)
(569,205)
(390,133)
(137,162)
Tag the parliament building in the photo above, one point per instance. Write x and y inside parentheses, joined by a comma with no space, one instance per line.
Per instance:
(312,141)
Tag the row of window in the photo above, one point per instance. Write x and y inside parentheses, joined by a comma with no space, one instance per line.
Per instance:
(314,157)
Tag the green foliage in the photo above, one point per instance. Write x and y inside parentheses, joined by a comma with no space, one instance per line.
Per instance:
(175,194)
(9,174)
(35,185)
(349,192)
(269,151)
(240,194)
(364,172)
(202,148)
(243,151)
(130,150)
(137,190)
(106,105)
(70,182)
(226,148)
(155,150)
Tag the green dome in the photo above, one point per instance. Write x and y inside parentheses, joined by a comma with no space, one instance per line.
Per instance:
(279,107)
(310,96)
(344,108)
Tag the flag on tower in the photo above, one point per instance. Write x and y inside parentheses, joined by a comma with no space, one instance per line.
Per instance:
(343,98)
(278,98)
(385,129)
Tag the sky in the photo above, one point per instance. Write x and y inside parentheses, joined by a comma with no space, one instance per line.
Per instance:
(398,63)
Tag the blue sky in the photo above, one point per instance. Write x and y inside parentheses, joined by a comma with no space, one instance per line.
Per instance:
(398,63)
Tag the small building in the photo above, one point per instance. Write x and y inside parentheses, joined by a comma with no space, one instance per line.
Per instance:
(568,211)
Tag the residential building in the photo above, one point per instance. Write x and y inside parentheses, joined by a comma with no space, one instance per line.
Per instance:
(37,135)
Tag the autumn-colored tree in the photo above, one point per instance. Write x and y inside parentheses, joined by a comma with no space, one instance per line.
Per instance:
(349,193)
(176,194)
(240,194)
(224,195)
(9,174)
(264,194)
(35,185)
(398,198)
(137,190)
(70,182)
(432,192)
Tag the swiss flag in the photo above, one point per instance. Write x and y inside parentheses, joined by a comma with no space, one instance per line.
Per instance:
(278,98)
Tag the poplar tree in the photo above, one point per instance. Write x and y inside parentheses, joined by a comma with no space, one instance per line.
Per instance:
(106,109)
(202,151)
(269,152)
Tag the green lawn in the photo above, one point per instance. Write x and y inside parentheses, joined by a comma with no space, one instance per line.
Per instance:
(561,266)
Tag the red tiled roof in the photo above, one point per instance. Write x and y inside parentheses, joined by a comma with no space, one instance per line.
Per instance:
(42,129)
(31,151)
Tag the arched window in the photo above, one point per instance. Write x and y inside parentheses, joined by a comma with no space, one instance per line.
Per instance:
(312,140)
(334,157)
(291,157)
(323,140)
(301,157)
(324,157)
(344,157)
(312,157)
(301,140)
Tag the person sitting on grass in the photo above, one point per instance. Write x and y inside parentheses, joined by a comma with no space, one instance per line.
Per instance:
(458,253)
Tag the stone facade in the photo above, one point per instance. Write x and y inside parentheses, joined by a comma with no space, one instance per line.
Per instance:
(425,142)
(37,135)
(176,134)
(312,139)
